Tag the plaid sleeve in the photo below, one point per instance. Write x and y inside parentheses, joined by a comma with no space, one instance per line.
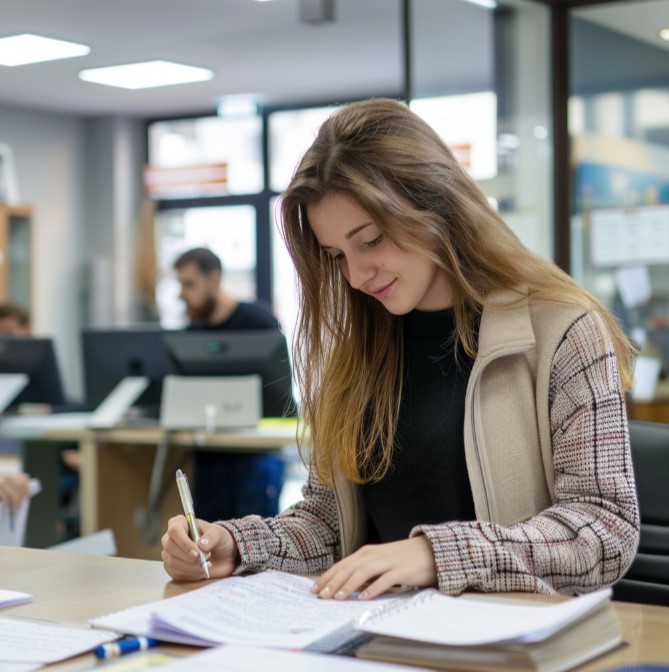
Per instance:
(303,539)
(589,536)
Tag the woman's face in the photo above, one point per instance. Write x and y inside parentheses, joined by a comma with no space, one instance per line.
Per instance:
(402,281)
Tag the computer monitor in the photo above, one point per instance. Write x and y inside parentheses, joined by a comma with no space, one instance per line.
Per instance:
(36,357)
(238,353)
(110,355)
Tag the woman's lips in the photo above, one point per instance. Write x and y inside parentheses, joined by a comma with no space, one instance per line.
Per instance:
(382,292)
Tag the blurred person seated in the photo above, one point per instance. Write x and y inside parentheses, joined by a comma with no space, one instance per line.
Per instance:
(14,488)
(15,320)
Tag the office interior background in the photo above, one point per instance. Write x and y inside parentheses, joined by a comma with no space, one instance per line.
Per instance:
(559,109)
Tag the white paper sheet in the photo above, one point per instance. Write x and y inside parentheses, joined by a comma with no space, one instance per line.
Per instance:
(266,609)
(13,523)
(634,285)
(8,598)
(440,619)
(28,641)
(250,659)
(19,667)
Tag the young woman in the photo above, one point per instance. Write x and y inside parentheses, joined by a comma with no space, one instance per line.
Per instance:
(463,396)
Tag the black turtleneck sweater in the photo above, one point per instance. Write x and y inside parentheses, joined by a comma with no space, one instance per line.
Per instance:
(428,481)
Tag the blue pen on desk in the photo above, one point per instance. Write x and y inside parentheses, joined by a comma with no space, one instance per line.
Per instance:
(124,646)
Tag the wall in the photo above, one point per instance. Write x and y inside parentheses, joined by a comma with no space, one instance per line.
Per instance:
(83,179)
(48,152)
(114,159)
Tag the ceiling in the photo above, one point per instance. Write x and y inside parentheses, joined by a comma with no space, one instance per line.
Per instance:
(641,20)
(253,47)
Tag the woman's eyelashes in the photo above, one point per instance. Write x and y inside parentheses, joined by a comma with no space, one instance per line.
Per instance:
(338,256)
(373,243)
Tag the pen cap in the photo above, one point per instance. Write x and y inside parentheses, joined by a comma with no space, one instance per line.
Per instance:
(184,492)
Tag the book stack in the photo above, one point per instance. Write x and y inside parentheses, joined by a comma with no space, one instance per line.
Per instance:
(489,634)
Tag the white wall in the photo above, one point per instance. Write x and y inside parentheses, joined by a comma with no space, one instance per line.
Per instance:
(49,152)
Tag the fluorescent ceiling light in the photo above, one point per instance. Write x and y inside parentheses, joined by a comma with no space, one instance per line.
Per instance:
(664,34)
(28,48)
(146,75)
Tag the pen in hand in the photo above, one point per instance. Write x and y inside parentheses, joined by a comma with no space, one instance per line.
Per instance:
(187,503)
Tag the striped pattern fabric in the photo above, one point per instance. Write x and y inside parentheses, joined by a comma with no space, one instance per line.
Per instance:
(584,541)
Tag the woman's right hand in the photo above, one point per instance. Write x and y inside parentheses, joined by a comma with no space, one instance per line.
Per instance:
(180,553)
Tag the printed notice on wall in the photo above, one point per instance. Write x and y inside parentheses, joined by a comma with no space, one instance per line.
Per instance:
(629,236)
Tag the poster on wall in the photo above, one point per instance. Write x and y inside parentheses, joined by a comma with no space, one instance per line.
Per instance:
(9,190)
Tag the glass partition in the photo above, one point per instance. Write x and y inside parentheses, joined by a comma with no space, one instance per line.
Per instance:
(619,129)
(480,74)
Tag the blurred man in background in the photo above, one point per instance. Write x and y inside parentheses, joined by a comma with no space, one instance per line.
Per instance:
(226,485)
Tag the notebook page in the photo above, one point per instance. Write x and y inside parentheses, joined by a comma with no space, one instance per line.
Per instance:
(267,609)
(27,641)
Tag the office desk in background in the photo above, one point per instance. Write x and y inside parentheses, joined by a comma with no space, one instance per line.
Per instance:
(116,470)
(78,587)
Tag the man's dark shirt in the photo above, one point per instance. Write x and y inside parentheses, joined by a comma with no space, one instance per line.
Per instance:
(245,316)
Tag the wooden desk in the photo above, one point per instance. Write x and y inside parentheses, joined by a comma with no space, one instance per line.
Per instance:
(116,471)
(78,587)
(73,588)
(120,460)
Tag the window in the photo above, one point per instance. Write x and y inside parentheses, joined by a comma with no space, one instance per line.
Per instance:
(204,142)
(229,231)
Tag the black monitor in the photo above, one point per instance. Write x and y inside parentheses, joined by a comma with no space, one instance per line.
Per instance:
(36,357)
(238,353)
(110,355)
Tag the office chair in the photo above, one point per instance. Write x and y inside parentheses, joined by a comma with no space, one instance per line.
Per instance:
(647,580)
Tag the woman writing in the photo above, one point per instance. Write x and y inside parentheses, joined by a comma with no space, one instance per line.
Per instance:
(464,397)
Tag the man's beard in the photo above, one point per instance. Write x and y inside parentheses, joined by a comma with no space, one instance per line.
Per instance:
(204,312)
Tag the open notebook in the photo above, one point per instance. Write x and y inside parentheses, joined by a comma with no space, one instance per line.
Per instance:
(13,523)
(278,610)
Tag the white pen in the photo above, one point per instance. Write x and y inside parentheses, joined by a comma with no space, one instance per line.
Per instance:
(187,503)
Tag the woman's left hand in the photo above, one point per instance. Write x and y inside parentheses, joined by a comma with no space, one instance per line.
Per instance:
(407,562)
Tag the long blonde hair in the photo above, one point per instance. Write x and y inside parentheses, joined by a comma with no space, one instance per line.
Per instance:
(347,353)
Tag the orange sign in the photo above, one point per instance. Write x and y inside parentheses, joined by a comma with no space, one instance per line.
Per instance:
(199,180)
